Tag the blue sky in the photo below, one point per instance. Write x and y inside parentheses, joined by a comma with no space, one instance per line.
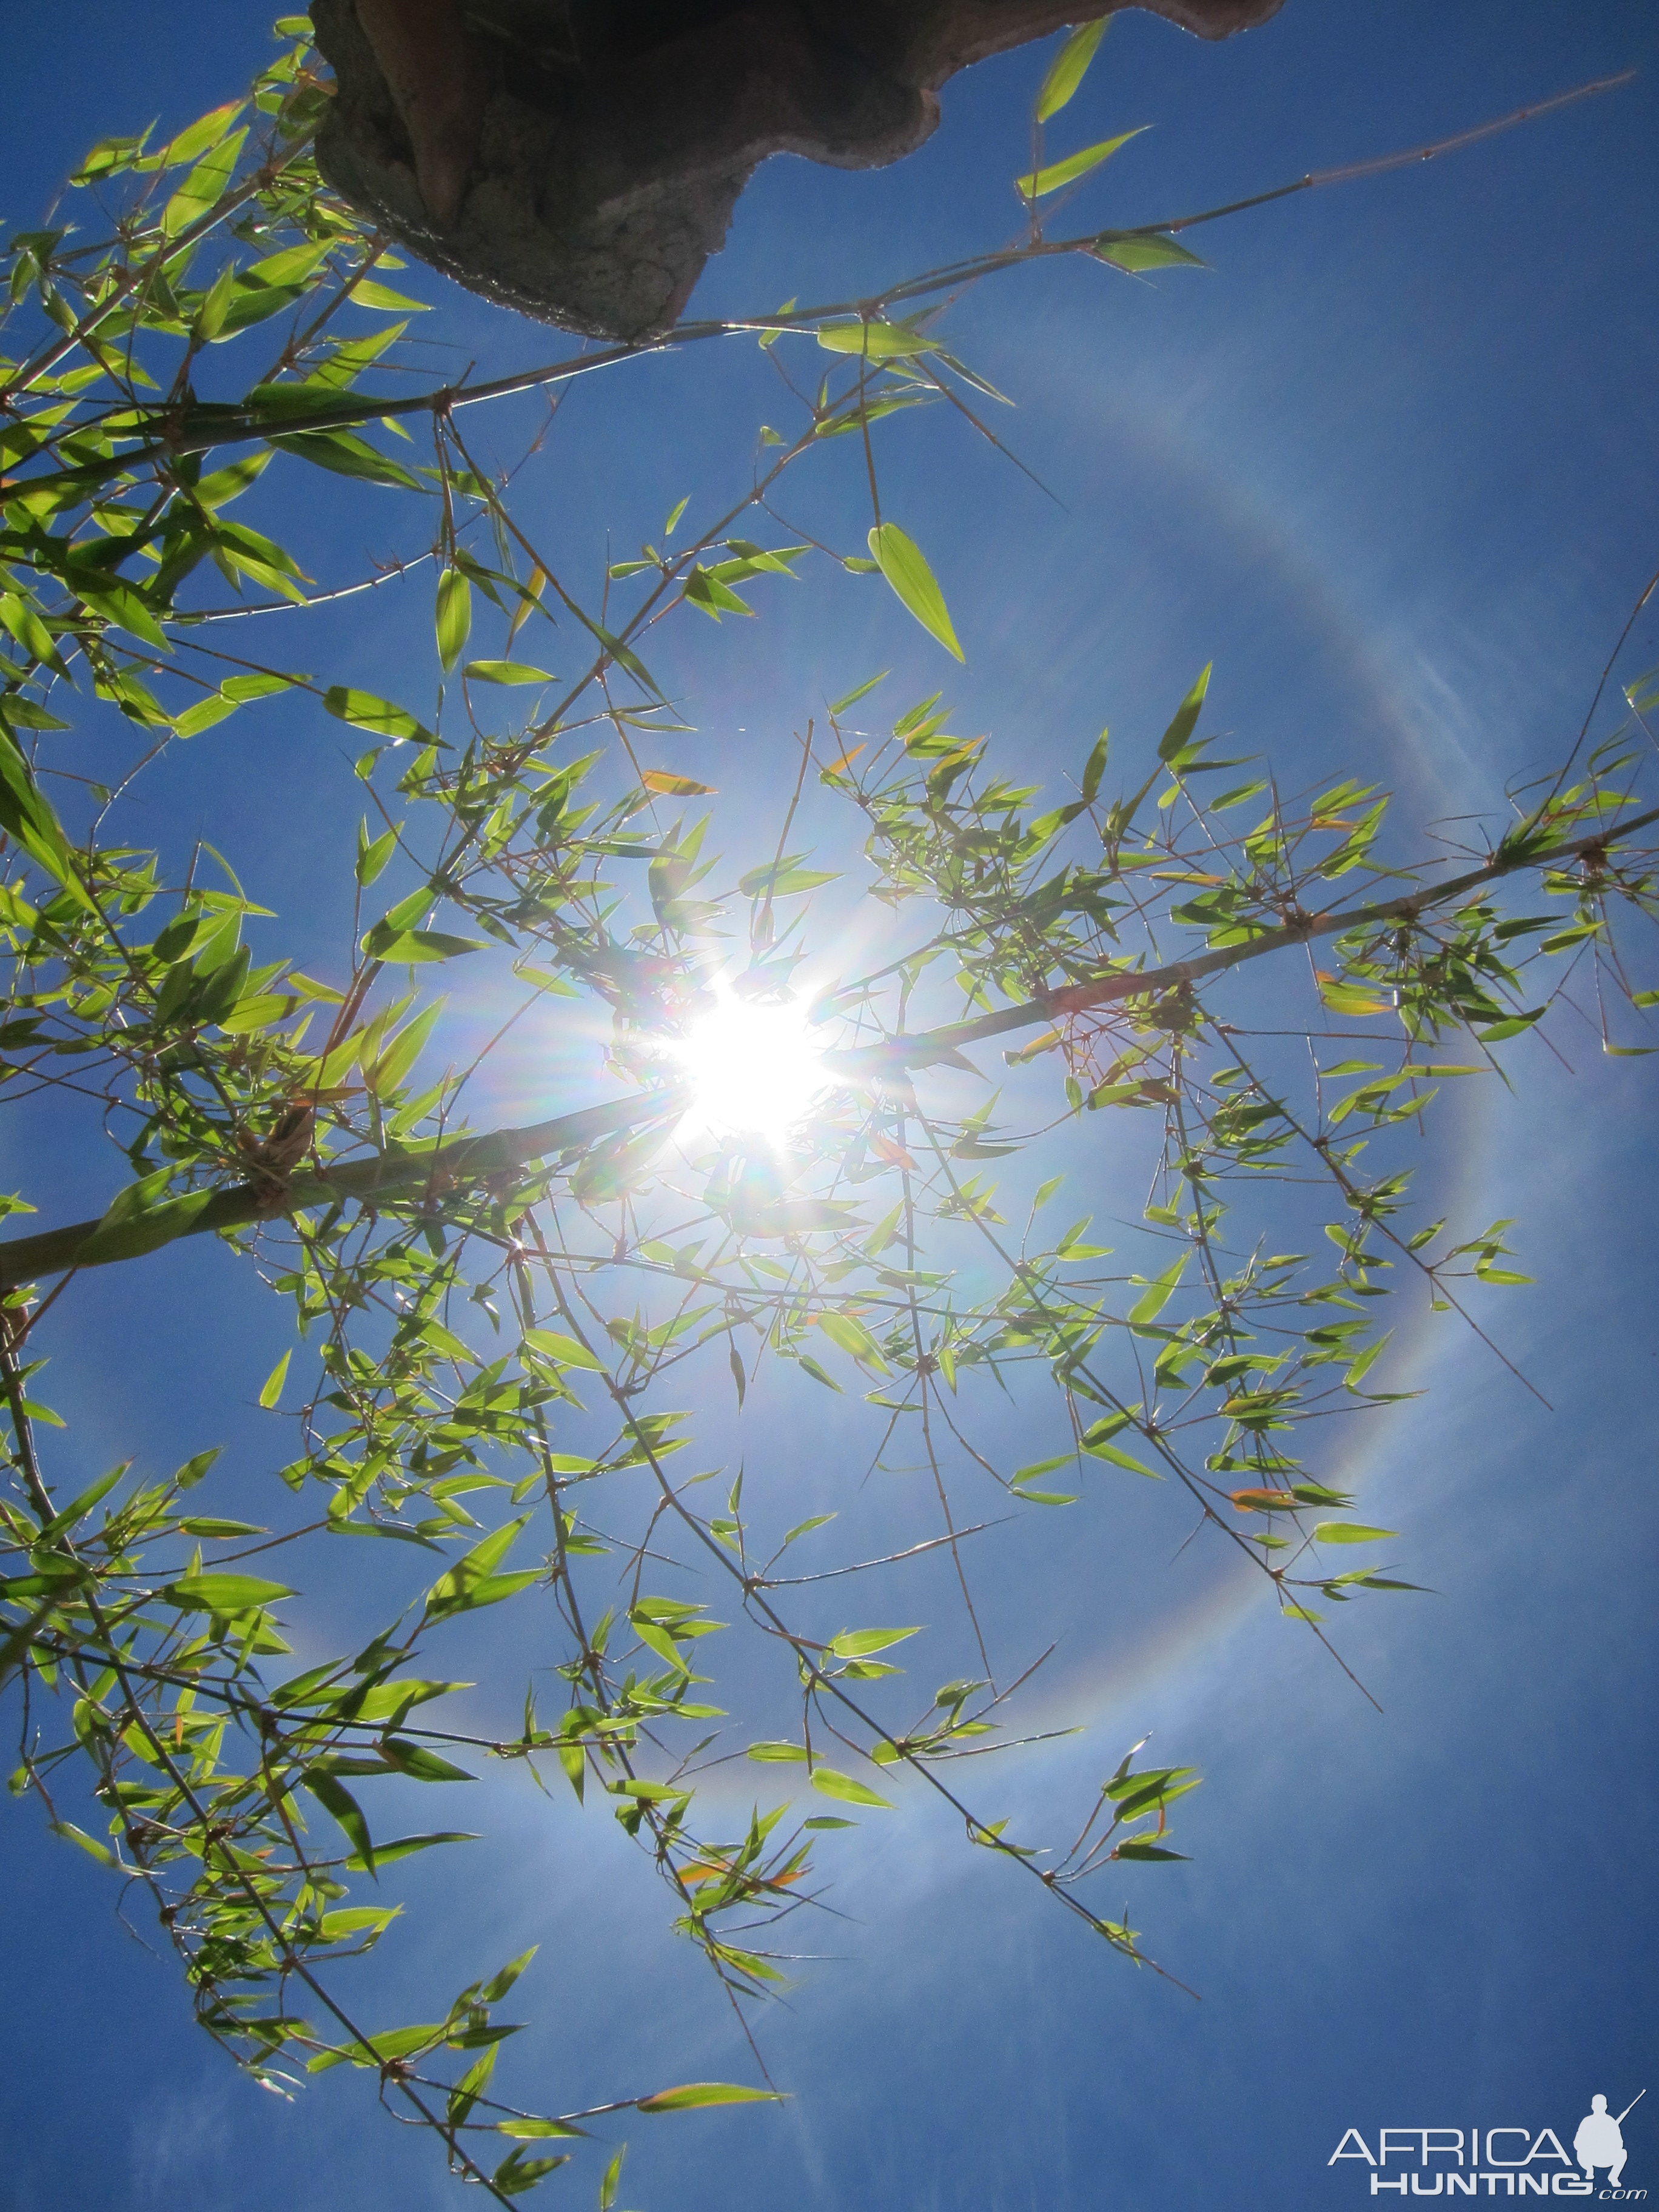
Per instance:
(1391,465)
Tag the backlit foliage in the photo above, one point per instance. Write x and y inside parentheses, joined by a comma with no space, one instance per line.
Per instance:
(500,1332)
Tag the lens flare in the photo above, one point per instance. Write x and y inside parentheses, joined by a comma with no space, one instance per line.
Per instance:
(754,1070)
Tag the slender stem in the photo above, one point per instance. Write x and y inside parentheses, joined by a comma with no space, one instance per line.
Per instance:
(232,425)
(394,1176)
(398,1176)
(918,1050)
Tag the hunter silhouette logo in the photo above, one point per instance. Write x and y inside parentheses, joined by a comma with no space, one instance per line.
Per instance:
(1599,2141)
(1507,2161)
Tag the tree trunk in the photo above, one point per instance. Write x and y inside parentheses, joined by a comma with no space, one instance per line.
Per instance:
(579,160)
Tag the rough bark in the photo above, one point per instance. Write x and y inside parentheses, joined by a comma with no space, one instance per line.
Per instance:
(579,160)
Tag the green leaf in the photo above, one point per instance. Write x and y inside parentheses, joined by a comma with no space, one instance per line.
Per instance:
(695,2096)
(1148,1307)
(29,714)
(390,2043)
(657,1638)
(901,561)
(273,1384)
(1136,250)
(259,684)
(76,1511)
(372,854)
(140,1220)
(27,816)
(859,1642)
(675,787)
(492,1991)
(516,2172)
(1174,739)
(226,1594)
(203,715)
(874,341)
(713,595)
(852,1337)
(777,879)
(420,1764)
(211,316)
(1495,1032)
(1350,1532)
(833,1785)
(114,157)
(454,615)
(563,1350)
(388,1068)
(1095,767)
(1368,1358)
(336,1799)
(364,711)
(838,706)
(1040,1467)
(472,1581)
(382,297)
(505,671)
(402,1846)
(348,455)
(71,1834)
(471,2085)
(409,948)
(1040,182)
(207,130)
(1066,70)
(227,483)
(25,624)
(251,303)
(203,187)
(1102,1449)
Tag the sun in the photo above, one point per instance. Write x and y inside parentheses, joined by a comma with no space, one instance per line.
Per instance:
(754,1071)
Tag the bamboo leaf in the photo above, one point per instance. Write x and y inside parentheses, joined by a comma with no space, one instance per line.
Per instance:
(859,1642)
(1139,250)
(835,1785)
(902,564)
(336,1800)
(27,815)
(874,341)
(365,711)
(505,671)
(90,1845)
(695,2096)
(675,787)
(1173,740)
(1068,67)
(1040,182)
(227,1595)
(454,615)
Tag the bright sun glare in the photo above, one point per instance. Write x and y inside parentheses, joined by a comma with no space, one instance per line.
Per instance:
(754,1070)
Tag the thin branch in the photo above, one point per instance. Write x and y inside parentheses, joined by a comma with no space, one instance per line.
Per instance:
(920,1050)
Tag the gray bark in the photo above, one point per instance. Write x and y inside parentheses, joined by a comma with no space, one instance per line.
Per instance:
(579,160)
